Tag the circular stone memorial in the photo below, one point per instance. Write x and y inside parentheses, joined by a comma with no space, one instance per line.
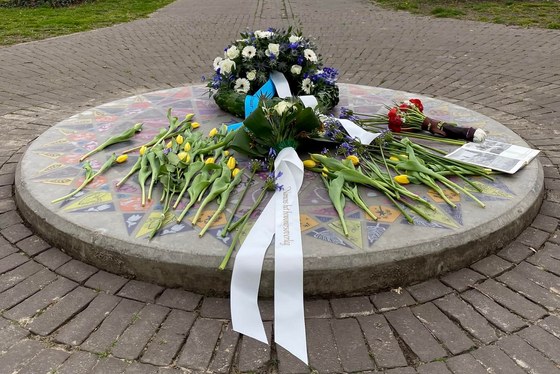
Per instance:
(106,226)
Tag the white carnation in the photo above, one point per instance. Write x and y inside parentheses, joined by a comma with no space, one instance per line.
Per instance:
(263,34)
(295,38)
(273,49)
(242,85)
(310,55)
(226,66)
(232,52)
(307,86)
(217,61)
(282,107)
(249,52)
(252,75)
(295,70)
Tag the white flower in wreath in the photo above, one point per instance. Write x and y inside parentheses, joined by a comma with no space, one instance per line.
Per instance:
(217,61)
(307,85)
(226,66)
(242,85)
(232,52)
(263,34)
(273,50)
(249,52)
(310,55)
(252,75)
(295,38)
(282,107)
(295,70)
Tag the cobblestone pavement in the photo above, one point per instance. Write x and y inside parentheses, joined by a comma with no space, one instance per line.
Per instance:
(500,315)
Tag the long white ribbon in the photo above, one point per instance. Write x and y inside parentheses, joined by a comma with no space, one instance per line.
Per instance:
(280,218)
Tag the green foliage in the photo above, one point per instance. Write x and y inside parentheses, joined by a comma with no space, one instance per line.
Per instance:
(525,13)
(38,3)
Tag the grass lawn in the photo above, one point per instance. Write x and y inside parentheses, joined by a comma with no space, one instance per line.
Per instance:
(25,24)
(526,13)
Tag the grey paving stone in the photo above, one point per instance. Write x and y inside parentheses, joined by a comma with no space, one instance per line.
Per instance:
(288,363)
(110,365)
(52,258)
(32,305)
(113,325)
(533,237)
(6,179)
(33,245)
(12,261)
(266,307)
(407,370)
(321,346)
(463,279)
(547,258)
(25,288)
(545,342)
(552,325)
(543,278)
(170,371)
(428,290)
(545,223)
(515,252)
(13,277)
(6,250)
(225,351)
(106,282)
(47,361)
(9,218)
(492,266)
(496,361)
(451,336)
(6,205)
(16,232)
(415,335)
(215,307)
(62,311)
(169,339)
(511,300)
(179,299)
(319,308)
(433,368)
(253,354)
(465,364)
(352,350)
(551,209)
(197,351)
(80,327)
(79,362)
(351,306)
(19,355)
(523,285)
(383,344)
(139,368)
(524,355)
(497,315)
(468,318)
(141,291)
(76,270)
(11,335)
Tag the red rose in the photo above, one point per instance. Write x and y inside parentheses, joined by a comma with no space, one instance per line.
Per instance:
(418,104)
(395,121)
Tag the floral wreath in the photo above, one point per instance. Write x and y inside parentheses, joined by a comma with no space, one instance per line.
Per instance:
(248,61)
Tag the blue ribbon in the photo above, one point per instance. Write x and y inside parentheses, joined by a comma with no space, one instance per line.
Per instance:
(252,101)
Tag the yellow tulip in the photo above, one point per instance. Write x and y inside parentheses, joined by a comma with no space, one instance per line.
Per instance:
(325,171)
(187,147)
(182,155)
(143,150)
(226,153)
(195,125)
(122,158)
(231,163)
(394,158)
(179,139)
(404,156)
(402,179)
(309,164)
(212,132)
(235,172)
(355,160)
(209,160)
(189,116)
(169,145)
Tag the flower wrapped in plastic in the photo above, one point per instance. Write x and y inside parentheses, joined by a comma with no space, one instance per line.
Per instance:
(247,63)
